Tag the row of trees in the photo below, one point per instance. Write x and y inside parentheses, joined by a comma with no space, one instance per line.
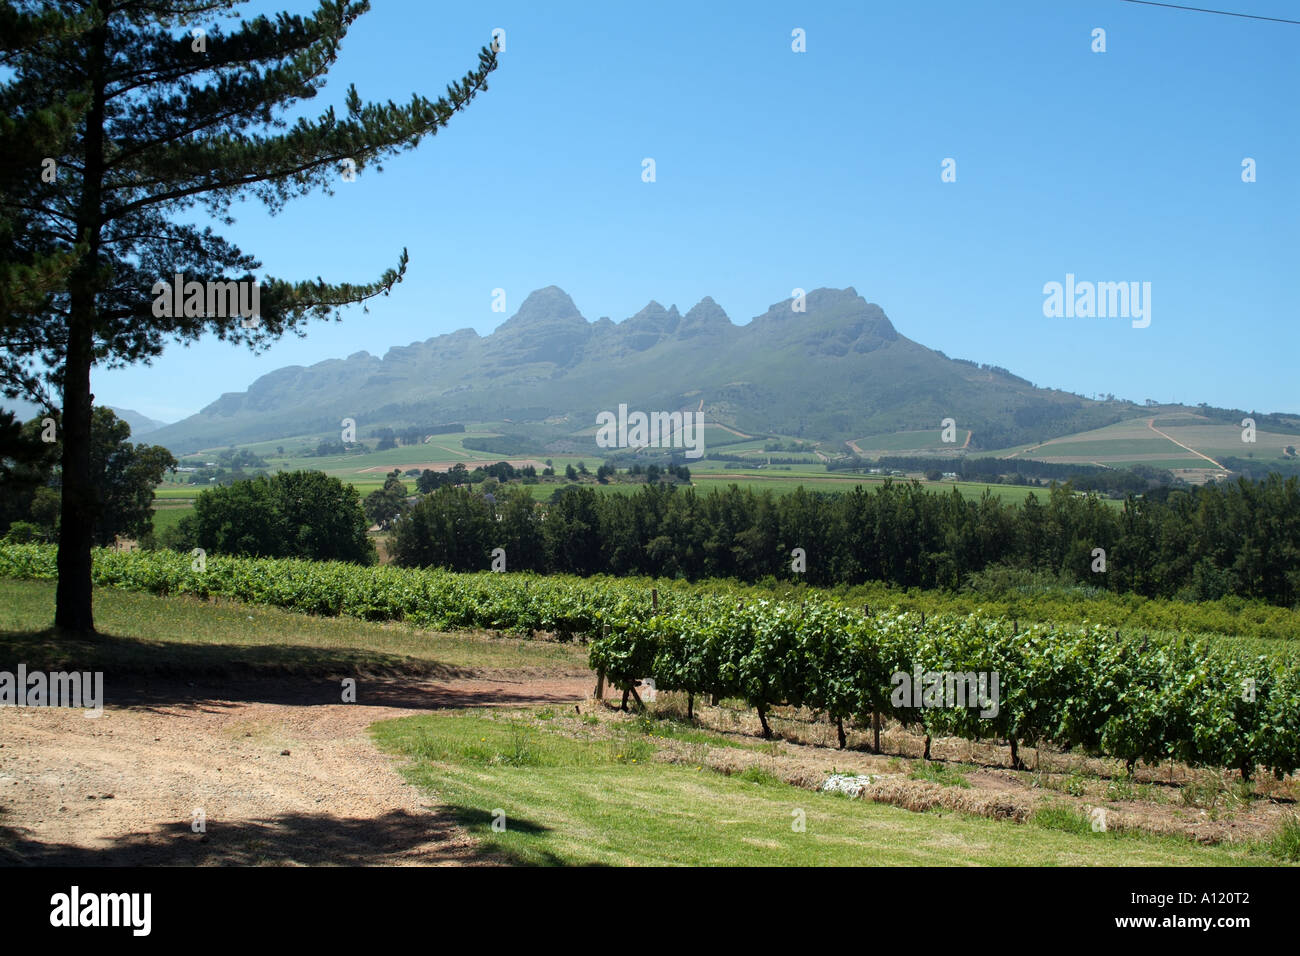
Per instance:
(1203,543)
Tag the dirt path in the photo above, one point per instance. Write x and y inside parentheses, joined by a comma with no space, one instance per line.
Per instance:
(1151,424)
(726,428)
(284,774)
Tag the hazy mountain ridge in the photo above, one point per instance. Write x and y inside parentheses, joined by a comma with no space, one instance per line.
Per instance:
(838,370)
(140,424)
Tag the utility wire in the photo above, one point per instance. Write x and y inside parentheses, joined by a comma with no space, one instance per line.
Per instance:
(1224,13)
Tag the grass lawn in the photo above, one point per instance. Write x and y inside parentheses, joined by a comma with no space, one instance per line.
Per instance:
(176,635)
(610,802)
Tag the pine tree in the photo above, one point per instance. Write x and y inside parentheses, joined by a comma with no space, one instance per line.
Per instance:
(117,116)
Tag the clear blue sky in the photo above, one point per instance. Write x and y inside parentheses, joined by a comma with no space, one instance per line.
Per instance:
(778,169)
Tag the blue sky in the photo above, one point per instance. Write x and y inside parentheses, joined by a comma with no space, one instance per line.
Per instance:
(778,170)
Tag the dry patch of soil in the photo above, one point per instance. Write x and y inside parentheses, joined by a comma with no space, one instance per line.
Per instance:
(283,772)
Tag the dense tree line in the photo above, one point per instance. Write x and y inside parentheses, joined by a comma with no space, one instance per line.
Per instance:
(1257,470)
(1199,543)
(292,514)
(1272,421)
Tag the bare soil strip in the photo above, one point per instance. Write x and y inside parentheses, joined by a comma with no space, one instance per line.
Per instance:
(283,772)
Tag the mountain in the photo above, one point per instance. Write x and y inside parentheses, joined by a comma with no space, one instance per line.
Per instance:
(140,424)
(836,371)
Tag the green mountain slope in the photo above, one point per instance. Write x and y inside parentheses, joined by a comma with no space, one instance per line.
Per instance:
(837,371)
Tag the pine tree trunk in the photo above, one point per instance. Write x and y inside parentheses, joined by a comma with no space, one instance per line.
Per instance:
(72,602)
(73,598)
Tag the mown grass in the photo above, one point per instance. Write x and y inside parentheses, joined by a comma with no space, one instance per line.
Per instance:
(143,633)
(566,801)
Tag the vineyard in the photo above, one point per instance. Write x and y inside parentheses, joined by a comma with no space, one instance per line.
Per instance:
(1083,687)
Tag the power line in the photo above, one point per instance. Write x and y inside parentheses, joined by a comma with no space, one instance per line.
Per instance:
(1224,13)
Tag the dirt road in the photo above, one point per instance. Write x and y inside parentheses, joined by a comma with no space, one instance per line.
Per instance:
(283,772)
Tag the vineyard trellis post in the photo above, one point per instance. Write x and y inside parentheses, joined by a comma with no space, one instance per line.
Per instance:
(600,673)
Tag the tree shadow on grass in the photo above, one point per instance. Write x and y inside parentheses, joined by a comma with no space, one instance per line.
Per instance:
(403,694)
(143,674)
(48,649)
(476,818)
(297,839)
(289,839)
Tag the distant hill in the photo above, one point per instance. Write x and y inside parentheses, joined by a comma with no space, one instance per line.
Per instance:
(140,424)
(835,372)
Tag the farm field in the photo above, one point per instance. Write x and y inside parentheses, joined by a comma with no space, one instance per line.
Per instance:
(910,443)
(1254,627)
(169,514)
(1135,442)
(820,652)
(481,723)
(367,473)
(778,483)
